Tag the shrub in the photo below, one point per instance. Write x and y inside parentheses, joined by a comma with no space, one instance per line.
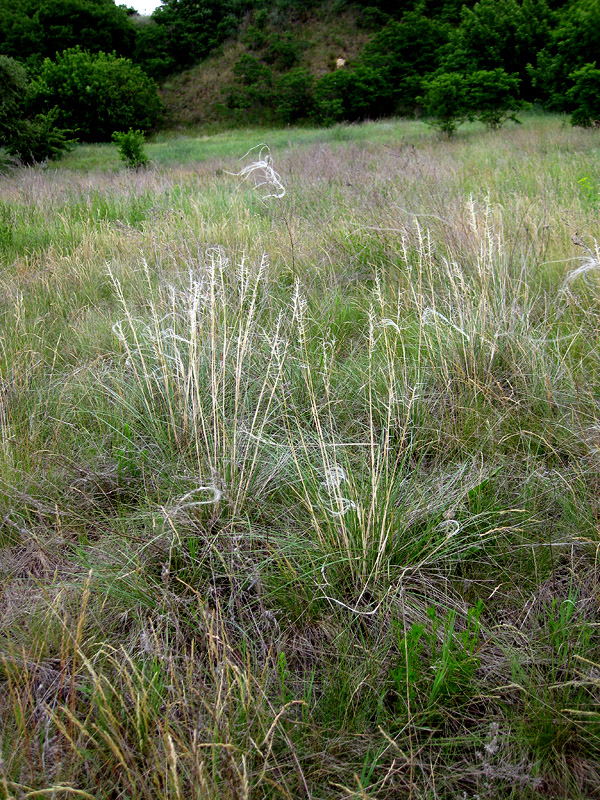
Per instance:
(189,30)
(249,71)
(585,96)
(13,86)
(131,148)
(97,93)
(32,30)
(372,18)
(283,51)
(349,95)
(254,37)
(294,95)
(492,96)
(39,139)
(445,100)
(255,85)
(29,139)
(574,42)
(402,53)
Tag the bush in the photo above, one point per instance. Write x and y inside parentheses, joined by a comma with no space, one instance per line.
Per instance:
(372,18)
(445,100)
(97,93)
(574,42)
(585,96)
(294,95)
(13,87)
(402,53)
(39,139)
(249,71)
(31,30)
(283,51)
(131,148)
(492,96)
(254,38)
(188,30)
(350,95)
(29,139)
(254,91)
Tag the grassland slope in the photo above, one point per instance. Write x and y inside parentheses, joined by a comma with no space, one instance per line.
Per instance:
(299,494)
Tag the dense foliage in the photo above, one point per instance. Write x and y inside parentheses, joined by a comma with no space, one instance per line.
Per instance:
(28,138)
(131,148)
(97,93)
(408,48)
(31,30)
(183,32)
(490,96)
(585,96)
(424,55)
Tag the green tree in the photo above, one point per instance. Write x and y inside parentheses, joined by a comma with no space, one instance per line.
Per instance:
(13,86)
(504,34)
(190,29)
(402,53)
(445,101)
(493,96)
(573,42)
(349,95)
(28,138)
(445,10)
(97,93)
(490,96)
(584,96)
(31,30)
(293,95)
(152,50)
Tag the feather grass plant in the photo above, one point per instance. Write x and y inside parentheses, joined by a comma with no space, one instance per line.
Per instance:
(309,530)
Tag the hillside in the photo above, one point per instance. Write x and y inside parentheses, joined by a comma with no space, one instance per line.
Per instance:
(313,41)
(287,62)
(228,63)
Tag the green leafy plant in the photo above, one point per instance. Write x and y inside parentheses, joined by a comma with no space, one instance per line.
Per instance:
(96,93)
(131,148)
(590,192)
(349,94)
(493,96)
(32,31)
(183,32)
(445,101)
(283,51)
(294,95)
(38,139)
(402,53)
(253,91)
(584,96)
(372,18)
(437,662)
(29,139)
(13,86)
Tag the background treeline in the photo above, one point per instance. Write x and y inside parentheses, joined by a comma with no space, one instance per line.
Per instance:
(90,66)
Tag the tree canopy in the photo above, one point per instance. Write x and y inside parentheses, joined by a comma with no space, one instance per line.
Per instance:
(529,50)
(32,30)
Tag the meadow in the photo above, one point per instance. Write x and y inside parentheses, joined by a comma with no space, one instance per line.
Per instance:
(299,494)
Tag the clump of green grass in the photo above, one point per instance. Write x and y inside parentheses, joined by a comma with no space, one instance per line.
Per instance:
(298,494)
